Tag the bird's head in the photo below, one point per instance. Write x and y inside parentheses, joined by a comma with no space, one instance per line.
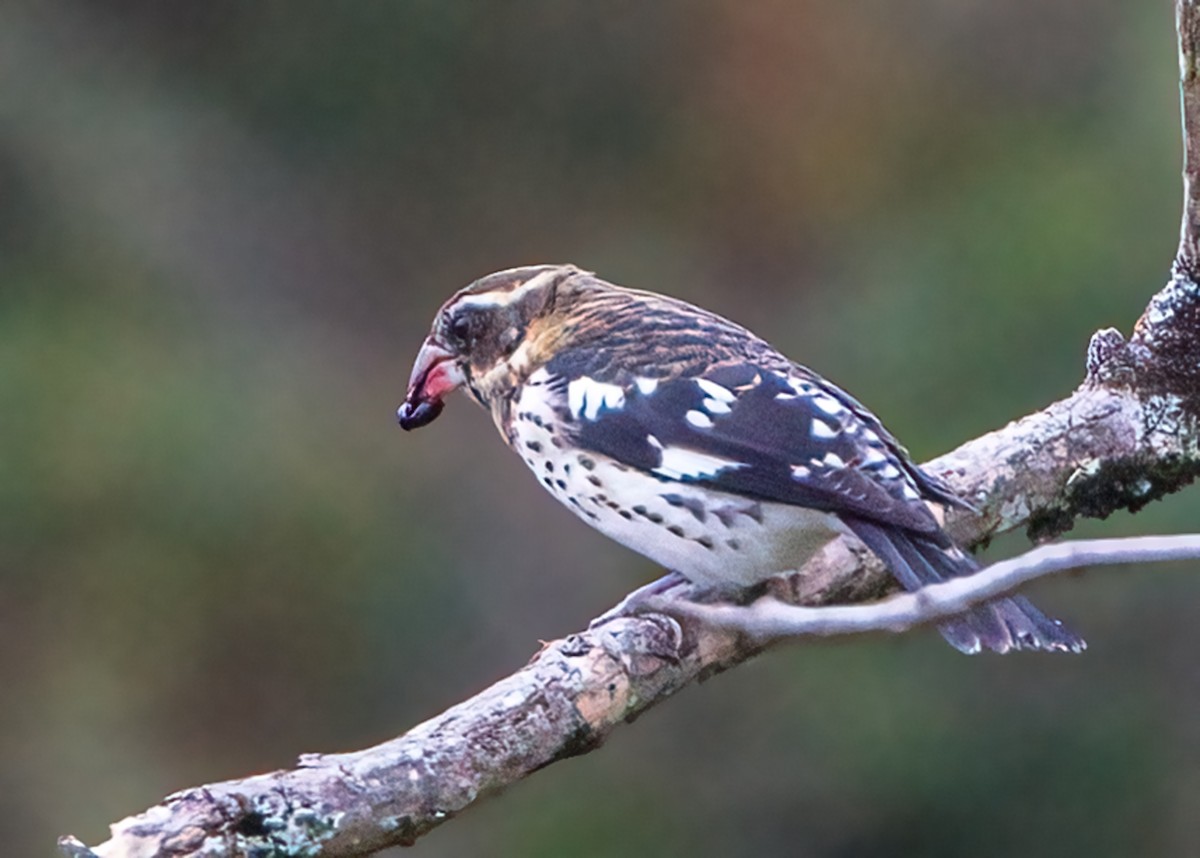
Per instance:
(483,337)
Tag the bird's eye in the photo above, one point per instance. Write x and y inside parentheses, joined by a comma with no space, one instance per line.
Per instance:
(459,330)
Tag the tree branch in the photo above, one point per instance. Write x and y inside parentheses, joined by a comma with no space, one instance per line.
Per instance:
(1187,22)
(1127,436)
(769,620)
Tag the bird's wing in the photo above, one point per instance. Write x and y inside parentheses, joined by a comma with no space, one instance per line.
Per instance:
(775,434)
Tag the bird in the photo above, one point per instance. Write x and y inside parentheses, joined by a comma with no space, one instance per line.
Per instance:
(687,438)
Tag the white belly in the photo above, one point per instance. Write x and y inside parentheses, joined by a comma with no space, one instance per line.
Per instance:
(711,538)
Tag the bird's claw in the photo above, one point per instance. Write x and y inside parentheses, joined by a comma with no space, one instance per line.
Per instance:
(649,599)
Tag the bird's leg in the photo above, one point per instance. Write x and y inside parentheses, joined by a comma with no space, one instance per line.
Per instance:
(655,597)
(670,586)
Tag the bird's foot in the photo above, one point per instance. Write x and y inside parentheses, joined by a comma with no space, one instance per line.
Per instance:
(658,596)
(645,599)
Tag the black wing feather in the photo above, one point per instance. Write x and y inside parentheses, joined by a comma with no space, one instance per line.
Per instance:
(766,433)
(775,430)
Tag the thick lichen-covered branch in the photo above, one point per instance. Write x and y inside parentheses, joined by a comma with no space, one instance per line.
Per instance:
(1187,21)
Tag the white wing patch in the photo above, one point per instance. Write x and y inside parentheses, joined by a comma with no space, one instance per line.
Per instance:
(821,429)
(586,396)
(828,404)
(699,419)
(646,386)
(679,463)
(873,458)
(715,391)
(832,460)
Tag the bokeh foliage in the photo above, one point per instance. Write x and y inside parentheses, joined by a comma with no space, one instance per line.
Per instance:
(224,228)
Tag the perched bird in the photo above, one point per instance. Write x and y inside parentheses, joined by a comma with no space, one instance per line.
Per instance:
(687,438)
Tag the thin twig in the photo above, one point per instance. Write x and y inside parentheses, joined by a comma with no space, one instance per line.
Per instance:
(769,619)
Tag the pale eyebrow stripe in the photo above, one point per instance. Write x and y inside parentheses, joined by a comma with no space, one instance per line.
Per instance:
(497,298)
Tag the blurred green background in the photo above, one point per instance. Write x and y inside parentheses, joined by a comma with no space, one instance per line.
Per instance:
(224,229)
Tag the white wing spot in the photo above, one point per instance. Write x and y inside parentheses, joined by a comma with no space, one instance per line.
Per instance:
(800,472)
(890,472)
(873,457)
(833,460)
(679,463)
(786,396)
(911,493)
(871,436)
(716,391)
(715,406)
(828,404)
(654,442)
(699,419)
(586,396)
(646,386)
(821,429)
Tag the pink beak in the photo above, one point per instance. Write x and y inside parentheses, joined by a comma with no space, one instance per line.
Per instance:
(435,374)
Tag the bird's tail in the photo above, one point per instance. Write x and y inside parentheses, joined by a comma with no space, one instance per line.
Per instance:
(1000,625)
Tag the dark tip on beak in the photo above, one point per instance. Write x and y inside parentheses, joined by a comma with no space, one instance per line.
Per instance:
(413,415)
(435,373)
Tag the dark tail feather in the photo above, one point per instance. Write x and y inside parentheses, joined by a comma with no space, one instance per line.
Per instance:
(1001,625)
